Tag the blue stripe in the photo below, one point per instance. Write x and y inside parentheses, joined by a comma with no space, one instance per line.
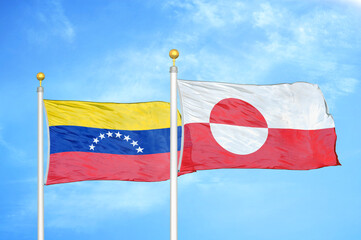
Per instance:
(80,139)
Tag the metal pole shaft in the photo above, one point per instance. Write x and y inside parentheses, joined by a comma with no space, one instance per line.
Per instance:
(40,91)
(173,155)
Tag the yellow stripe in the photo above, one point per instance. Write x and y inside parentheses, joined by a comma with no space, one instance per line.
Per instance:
(122,116)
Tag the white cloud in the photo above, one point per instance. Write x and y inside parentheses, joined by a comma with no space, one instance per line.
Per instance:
(313,44)
(348,85)
(231,42)
(134,75)
(352,2)
(83,205)
(13,151)
(52,22)
(335,88)
(280,37)
(267,16)
(123,75)
(210,13)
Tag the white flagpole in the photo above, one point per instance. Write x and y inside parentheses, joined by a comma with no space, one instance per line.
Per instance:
(40,76)
(173,148)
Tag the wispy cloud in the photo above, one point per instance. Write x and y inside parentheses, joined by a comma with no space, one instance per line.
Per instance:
(52,21)
(136,75)
(315,44)
(348,85)
(80,205)
(218,187)
(11,149)
(311,44)
(267,16)
(209,13)
(83,206)
(270,44)
(338,88)
(356,3)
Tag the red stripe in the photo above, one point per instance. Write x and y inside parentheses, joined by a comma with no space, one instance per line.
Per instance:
(81,166)
(283,149)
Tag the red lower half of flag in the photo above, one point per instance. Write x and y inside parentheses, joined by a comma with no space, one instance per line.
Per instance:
(282,149)
(81,166)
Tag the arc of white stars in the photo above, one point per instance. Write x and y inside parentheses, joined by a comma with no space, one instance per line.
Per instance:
(117,135)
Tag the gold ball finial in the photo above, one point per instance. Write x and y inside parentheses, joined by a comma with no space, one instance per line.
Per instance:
(173,54)
(40,76)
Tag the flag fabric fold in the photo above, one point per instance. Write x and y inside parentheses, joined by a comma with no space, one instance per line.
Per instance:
(282,126)
(108,141)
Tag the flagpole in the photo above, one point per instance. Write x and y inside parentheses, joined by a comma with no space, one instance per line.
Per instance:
(173,148)
(40,76)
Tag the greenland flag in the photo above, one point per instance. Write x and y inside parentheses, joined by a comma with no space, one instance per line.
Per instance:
(282,126)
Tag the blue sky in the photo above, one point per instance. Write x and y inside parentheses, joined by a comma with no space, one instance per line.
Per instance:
(118,51)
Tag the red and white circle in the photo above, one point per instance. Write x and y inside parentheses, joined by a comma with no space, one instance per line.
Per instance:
(238,126)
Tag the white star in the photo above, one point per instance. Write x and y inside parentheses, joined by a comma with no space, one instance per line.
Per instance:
(96,140)
(126,138)
(92,147)
(109,134)
(117,135)
(134,143)
(101,136)
(139,149)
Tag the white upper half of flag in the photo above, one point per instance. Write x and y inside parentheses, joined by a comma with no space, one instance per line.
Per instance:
(293,106)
